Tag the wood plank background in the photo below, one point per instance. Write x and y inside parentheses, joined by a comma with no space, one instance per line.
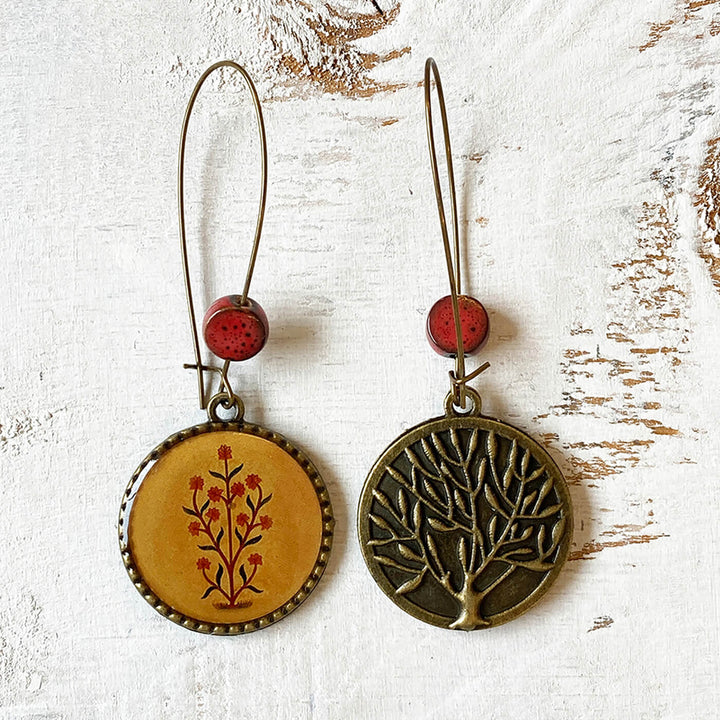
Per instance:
(586,138)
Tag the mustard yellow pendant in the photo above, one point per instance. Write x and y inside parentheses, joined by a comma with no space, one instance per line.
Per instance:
(225,528)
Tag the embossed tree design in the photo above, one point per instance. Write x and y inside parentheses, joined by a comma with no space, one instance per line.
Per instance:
(466,510)
(226,534)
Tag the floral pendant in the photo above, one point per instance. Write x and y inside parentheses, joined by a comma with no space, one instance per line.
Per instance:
(225,528)
(465,521)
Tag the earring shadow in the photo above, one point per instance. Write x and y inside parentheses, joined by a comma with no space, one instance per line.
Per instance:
(473,175)
(227,138)
(502,333)
(342,513)
(464,213)
(295,335)
(211,177)
(582,523)
(569,576)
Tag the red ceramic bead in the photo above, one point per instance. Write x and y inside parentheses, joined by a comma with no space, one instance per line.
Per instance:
(440,327)
(234,331)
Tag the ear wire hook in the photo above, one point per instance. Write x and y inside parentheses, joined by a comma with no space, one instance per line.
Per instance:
(458,378)
(181,218)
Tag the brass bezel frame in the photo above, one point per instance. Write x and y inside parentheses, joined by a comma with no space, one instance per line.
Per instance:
(408,438)
(308,585)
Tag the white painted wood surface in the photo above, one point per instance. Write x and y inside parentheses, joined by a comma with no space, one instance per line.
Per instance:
(585,141)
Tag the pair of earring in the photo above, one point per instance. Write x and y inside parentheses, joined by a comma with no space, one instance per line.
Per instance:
(226,527)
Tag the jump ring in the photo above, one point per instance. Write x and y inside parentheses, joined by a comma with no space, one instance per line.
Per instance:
(228,402)
(451,407)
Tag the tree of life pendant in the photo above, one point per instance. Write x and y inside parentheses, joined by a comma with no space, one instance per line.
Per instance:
(465,521)
(225,528)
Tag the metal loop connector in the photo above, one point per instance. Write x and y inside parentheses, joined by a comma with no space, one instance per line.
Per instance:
(228,402)
(453,408)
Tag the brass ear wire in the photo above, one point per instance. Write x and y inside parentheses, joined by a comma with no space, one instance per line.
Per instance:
(227,396)
(458,379)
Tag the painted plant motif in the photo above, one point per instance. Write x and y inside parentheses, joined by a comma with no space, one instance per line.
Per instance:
(226,528)
(468,516)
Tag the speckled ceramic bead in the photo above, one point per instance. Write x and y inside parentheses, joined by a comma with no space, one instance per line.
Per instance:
(440,325)
(234,331)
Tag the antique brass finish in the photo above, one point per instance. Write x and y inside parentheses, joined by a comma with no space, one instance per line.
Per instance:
(225,527)
(304,587)
(235,405)
(465,521)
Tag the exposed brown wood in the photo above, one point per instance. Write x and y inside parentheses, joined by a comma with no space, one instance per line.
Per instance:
(707,202)
(590,549)
(599,623)
(317,43)
(685,11)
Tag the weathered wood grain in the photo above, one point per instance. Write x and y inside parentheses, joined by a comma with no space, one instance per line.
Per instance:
(686,12)
(706,200)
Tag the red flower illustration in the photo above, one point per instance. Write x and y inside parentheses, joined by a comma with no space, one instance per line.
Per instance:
(215,494)
(231,572)
(253,481)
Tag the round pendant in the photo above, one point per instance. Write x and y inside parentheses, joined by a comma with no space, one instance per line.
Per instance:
(465,521)
(225,528)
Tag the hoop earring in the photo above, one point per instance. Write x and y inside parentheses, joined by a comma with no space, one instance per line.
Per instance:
(225,527)
(464,521)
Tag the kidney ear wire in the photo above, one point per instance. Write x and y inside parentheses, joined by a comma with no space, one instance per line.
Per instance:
(458,378)
(225,396)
